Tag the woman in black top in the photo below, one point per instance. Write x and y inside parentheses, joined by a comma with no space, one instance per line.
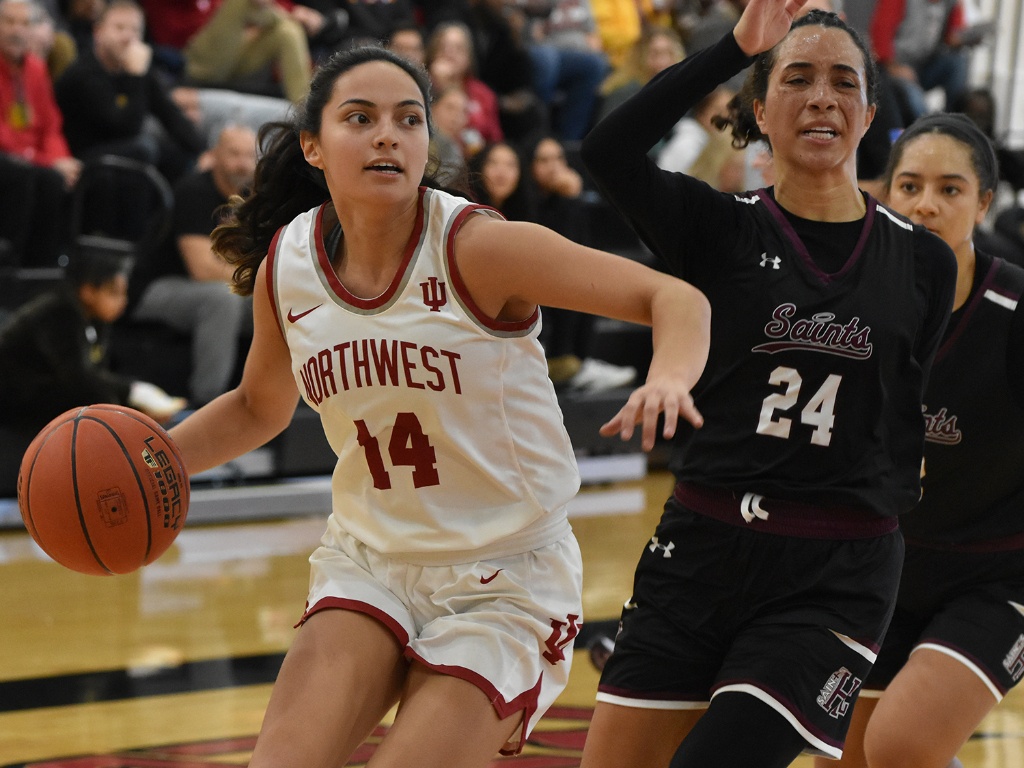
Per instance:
(953,649)
(761,600)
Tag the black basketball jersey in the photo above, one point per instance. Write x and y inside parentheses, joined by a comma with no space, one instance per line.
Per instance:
(813,387)
(974,450)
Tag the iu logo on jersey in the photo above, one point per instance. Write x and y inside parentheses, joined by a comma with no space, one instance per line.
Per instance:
(837,695)
(562,635)
(435,294)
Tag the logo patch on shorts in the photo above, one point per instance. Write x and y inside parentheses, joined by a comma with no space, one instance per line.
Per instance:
(1014,661)
(839,692)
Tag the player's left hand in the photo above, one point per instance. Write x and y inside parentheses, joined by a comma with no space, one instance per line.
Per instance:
(662,395)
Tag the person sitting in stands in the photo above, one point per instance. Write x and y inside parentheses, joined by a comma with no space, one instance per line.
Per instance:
(186,285)
(53,350)
(36,166)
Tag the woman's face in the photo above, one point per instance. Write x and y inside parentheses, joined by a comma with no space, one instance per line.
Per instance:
(548,163)
(373,137)
(815,111)
(500,172)
(454,47)
(662,52)
(451,112)
(934,184)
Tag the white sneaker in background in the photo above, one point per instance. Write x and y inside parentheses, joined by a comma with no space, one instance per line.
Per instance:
(596,375)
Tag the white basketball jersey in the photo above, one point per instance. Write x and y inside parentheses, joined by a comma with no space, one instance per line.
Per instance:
(450,441)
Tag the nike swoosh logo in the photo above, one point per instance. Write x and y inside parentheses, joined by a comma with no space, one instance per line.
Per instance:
(293,318)
(489,579)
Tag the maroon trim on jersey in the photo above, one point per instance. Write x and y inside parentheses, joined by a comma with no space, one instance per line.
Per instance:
(324,260)
(970,309)
(801,249)
(269,277)
(526,702)
(460,287)
(786,518)
(359,607)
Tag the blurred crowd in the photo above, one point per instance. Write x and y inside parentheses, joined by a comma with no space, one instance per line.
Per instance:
(181,88)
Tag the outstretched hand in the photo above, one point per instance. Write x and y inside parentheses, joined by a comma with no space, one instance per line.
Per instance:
(764,23)
(667,395)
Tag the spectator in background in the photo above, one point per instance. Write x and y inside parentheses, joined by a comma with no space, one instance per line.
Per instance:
(454,140)
(496,179)
(54,46)
(717,19)
(979,104)
(450,61)
(109,95)
(369,21)
(700,149)
(80,16)
(36,167)
(186,285)
(568,63)
(920,44)
(249,45)
(53,350)
(407,41)
(503,62)
(619,24)
(567,335)
(211,109)
(656,49)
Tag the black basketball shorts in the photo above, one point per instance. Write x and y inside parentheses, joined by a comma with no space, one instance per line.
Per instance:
(968,605)
(795,622)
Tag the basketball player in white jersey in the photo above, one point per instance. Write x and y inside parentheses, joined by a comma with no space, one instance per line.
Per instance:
(448,579)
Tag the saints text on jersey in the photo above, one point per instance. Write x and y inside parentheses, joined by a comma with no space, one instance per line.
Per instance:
(820,332)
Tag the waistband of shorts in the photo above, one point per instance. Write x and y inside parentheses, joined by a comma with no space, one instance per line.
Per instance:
(786,518)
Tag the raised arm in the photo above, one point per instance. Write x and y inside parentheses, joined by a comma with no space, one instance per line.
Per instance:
(682,220)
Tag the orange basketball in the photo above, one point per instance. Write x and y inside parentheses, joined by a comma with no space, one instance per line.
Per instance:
(103,490)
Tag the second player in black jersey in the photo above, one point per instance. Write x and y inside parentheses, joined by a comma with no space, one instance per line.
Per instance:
(762,598)
(955,645)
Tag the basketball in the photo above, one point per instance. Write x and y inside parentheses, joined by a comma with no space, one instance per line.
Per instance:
(103,490)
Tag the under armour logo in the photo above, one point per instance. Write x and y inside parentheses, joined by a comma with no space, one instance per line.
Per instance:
(750,507)
(435,294)
(775,261)
(666,549)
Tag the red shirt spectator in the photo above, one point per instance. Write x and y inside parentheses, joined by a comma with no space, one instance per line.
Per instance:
(32,125)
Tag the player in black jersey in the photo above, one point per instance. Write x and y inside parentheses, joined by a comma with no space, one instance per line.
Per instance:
(955,646)
(761,600)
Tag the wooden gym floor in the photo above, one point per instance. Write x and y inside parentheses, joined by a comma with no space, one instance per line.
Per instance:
(172,665)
